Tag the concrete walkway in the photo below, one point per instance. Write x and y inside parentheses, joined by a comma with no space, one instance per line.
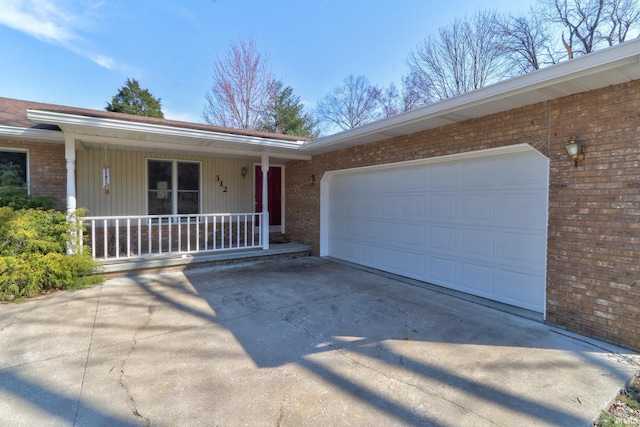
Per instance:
(288,343)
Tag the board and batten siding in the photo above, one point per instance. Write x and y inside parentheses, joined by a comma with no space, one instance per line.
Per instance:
(128,190)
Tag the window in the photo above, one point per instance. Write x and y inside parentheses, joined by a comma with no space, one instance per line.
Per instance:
(13,169)
(163,176)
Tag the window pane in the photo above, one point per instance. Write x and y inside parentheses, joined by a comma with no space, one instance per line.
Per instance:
(13,168)
(188,188)
(159,192)
(188,202)
(188,176)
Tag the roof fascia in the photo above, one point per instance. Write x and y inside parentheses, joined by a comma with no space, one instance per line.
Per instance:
(609,58)
(193,149)
(42,116)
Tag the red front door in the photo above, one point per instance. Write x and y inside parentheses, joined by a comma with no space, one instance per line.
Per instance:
(274,182)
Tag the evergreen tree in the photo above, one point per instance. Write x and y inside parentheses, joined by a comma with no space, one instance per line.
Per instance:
(132,99)
(287,116)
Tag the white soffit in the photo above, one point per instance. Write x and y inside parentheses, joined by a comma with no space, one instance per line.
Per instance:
(613,65)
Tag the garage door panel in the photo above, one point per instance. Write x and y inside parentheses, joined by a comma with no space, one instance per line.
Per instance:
(413,205)
(442,238)
(371,207)
(369,231)
(388,182)
(518,171)
(389,260)
(522,249)
(526,210)
(369,254)
(414,179)
(478,243)
(351,251)
(522,289)
(441,177)
(414,235)
(413,265)
(442,271)
(477,208)
(390,233)
(479,173)
(390,206)
(442,207)
(351,227)
(477,279)
(477,225)
(353,205)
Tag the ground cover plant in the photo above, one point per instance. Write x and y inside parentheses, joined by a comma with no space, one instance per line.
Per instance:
(625,410)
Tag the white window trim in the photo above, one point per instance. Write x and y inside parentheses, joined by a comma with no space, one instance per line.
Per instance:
(174,183)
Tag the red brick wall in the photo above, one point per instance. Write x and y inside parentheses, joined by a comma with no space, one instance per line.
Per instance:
(47,168)
(594,210)
(594,216)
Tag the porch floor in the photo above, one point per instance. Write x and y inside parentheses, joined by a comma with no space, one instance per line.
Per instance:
(163,263)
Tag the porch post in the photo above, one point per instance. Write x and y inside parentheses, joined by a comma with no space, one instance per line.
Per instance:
(70,156)
(265,202)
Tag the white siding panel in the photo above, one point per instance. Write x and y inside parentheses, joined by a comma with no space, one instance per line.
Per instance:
(128,192)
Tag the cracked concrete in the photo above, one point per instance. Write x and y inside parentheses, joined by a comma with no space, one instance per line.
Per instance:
(287,343)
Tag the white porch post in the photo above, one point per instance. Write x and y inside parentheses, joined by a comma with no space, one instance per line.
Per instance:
(265,202)
(70,156)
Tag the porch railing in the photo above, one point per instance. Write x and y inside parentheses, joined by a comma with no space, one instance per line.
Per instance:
(113,237)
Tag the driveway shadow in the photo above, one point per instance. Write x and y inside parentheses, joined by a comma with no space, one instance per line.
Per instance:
(300,312)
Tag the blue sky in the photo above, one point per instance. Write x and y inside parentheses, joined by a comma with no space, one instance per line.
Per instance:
(80,52)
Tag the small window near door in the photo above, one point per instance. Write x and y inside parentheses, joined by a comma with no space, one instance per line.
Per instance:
(13,169)
(163,176)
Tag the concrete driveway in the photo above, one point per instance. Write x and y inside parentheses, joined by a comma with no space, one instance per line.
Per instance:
(287,343)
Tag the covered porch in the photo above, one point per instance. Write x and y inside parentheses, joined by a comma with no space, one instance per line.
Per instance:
(156,194)
(162,243)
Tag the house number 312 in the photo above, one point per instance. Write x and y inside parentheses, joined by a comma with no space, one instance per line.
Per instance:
(224,187)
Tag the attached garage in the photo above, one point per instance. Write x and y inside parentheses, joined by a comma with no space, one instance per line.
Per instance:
(474,222)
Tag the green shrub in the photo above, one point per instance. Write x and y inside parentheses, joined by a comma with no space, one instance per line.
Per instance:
(14,194)
(33,258)
(17,198)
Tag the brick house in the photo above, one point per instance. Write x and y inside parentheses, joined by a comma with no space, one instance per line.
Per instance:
(475,193)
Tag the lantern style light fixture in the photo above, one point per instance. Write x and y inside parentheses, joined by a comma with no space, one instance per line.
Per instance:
(243,171)
(312,179)
(574,150)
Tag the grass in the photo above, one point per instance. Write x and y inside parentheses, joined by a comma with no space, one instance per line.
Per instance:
(625,410)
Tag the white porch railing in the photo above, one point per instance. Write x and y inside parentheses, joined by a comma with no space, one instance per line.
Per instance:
(113,237)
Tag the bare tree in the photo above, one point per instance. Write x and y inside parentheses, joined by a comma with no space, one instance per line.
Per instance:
(390,101)
(526,42)
(416,91)
(623,16)
(243,89)
(351,104)
(465,56)
(590,24)
(581,19)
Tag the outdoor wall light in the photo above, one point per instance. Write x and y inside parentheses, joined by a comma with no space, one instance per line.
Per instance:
(574,150)
(243,171)
(312,179)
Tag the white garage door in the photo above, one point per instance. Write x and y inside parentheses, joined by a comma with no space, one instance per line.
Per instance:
(476,223)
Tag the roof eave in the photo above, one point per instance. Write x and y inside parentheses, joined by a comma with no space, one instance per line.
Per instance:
(616,56)
(21,133)
(61,119)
